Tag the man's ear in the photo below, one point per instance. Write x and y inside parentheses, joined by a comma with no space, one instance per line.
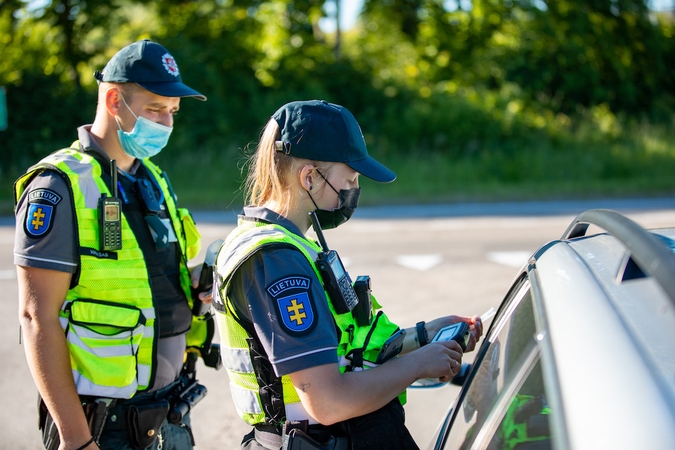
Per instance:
(113,101)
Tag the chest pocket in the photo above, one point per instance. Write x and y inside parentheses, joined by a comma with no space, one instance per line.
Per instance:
(104,338)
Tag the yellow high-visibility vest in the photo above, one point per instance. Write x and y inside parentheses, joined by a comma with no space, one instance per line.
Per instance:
(244,241)
(109,317)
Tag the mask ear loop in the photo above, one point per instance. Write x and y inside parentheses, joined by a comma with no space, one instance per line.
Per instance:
(119,125)
(312,199)
(328,182)
(310,188)
(127,105)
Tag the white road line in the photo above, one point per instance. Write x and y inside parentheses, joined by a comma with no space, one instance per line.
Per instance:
(7,274)
(420,262)
(511,259)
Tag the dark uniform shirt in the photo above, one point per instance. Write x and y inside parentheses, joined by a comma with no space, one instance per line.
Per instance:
(279,292)
(54,246)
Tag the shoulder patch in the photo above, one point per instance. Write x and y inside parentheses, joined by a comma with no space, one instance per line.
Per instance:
(296,312)
(294,282)
(38,219)
(293,303)
(45,195)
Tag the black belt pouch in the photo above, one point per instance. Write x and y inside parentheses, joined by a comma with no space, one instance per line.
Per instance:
(144,422)
(299,440)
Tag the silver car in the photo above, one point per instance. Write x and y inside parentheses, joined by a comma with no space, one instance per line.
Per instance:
(581,353)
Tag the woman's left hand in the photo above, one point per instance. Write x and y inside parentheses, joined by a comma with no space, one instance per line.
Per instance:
(475,324)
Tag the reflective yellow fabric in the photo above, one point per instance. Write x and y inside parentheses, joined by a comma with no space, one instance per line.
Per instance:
(108,317)
(95,313)
(245,240)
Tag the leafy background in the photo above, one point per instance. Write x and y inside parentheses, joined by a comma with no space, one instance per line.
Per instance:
(465,100)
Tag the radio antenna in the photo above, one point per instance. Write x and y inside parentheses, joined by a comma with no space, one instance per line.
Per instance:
(113,176)
(317,230)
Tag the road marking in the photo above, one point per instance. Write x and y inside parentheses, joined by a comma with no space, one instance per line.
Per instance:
(420,262)
(7,274)
(511,259)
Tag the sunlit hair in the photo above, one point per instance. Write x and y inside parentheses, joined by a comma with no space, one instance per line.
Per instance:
(270,173)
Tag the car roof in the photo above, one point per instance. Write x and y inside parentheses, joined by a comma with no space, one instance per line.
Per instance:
(608,325)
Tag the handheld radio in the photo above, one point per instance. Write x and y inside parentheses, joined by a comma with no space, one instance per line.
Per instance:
(363,313)
(110,216)
(205,278)
(335,278)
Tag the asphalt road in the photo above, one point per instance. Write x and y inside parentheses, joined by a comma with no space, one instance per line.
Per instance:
(423,261)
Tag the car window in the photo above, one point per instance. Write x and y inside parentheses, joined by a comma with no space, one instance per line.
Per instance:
(524,423)
(506,383)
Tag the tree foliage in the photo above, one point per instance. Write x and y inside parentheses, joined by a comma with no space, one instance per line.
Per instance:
(563,53)
(456,77)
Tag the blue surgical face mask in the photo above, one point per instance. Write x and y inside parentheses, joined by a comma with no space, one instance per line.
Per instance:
(146,139)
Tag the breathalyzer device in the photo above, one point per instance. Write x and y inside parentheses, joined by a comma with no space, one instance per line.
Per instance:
(335,278)
(459,332)
(110,216)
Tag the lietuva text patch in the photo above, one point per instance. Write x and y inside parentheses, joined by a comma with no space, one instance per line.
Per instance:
(293,303)
(287,283)
(40,212)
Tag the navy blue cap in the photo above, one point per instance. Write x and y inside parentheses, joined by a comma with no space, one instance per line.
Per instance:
(149,65)
(323,131)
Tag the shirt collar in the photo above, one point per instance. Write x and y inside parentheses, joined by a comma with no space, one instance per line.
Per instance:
(269,216)
(89,144)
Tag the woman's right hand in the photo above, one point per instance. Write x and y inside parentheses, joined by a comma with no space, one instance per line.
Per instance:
(441,360)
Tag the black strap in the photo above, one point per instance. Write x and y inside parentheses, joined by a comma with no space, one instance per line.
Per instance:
(356,355)
(422,336)
(270,385)
(89,442)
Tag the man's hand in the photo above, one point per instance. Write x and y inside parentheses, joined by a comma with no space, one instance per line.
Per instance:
(204,296)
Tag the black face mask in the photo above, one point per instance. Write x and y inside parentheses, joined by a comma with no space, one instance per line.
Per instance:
(348,200)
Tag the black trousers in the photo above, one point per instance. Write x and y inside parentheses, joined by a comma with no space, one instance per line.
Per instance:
(383,429)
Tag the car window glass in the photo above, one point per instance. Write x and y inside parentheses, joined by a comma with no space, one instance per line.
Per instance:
(525,423)
(511,340)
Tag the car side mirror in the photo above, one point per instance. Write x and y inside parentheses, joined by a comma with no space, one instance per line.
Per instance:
(462,375)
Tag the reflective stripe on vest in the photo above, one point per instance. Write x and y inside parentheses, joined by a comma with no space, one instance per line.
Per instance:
(245,240)
(109,317)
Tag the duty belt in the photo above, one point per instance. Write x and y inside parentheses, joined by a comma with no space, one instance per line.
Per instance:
(269,436)
(117,419)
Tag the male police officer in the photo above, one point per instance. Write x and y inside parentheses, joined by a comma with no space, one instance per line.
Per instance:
(101,255)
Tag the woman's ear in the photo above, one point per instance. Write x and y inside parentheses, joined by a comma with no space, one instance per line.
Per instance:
(307,176)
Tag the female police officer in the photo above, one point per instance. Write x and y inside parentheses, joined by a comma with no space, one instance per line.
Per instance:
(294,351)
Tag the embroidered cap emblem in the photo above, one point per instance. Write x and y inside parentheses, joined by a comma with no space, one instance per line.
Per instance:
(170,64)
(296,312)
